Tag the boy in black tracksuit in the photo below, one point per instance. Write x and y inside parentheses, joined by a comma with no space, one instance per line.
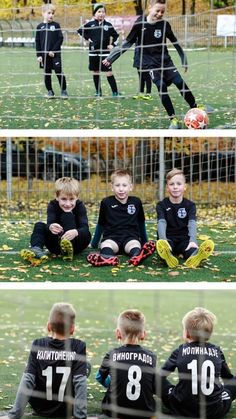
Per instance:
(102,37)
(66,231)
(48,42)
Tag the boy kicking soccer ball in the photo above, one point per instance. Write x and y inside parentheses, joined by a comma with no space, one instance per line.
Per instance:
(66,232)
(54,381)
(176,228)
(121,224)
(129,372)
(201,366)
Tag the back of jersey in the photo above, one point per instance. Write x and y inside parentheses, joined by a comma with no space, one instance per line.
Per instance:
(133,382)
(54,363)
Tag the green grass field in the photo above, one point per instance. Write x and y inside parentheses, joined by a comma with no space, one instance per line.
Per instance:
(220,267)
(23,105)
(23,316)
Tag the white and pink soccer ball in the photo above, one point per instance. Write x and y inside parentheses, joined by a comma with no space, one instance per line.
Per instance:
(196,118)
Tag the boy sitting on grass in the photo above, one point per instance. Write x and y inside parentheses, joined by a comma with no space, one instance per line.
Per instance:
(129,372)
(176,228)
(121,224)
(201,366)
(54,381)
(66,231)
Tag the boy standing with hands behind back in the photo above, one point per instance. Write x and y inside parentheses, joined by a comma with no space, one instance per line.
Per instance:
(176,229)
(48,42)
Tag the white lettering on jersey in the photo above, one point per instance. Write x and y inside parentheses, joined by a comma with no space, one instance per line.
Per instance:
(131,209)
(197,350)
(56,355)
(133,356)
(182,213)
(114,206)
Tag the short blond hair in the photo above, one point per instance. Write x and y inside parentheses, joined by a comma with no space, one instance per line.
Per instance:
(62,318)
(47,7)
(199,323)
(68,186)
(173,173)
(119,173)
(131,323)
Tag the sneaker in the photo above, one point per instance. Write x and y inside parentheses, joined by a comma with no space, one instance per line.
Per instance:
(138,96)
(204,251)
(98,260)
(64,94)
(147,250)
(147,96)
(175,124)
(67,250)
(35,252)
(163,250)
(117,94)
(206,108)
(98,94)
(50,94)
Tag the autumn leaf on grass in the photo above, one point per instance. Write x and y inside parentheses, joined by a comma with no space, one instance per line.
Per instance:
(203,237)
(5,247)
(173,273)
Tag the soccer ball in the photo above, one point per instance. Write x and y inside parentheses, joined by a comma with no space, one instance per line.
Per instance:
(196,119)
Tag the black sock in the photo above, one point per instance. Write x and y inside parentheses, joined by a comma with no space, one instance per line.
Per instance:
(134,251)
(107,252)
(97,83)
(112,81)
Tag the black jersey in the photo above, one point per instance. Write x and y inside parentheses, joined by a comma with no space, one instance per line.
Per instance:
(100,33)
(54,213)
(133,382)
(54,363)
(119,220)
(177,217)
(200,367)
(48,38)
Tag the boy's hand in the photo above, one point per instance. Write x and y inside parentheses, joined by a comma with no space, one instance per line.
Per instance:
(70,234)
(40,59)
(51,54)
(106,62)
(110,47)
(192,245)
(55,228)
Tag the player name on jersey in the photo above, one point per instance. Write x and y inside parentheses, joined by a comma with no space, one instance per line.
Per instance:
(133,356)
(197,350)
(56,355)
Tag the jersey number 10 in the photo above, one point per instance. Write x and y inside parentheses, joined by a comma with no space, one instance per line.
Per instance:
(206,377)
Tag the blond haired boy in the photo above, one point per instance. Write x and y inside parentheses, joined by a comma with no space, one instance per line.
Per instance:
(129,371)
(48,41)
(121,224)
(66,232)
(176,225)
(54,381)
(201,368)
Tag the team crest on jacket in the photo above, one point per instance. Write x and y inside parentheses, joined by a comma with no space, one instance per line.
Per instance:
(182,213)
(52,28)
(157,33)
(131,209)
(105,27)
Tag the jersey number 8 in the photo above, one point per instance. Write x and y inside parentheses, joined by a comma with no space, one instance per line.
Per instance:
(133,388)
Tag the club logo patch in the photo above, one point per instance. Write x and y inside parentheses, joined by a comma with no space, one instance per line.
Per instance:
(52,28)
(157,33)
(105,27)
(182,213)
(131,209)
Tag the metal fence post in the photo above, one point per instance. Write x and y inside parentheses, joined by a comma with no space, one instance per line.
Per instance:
(9,168)
(161,168)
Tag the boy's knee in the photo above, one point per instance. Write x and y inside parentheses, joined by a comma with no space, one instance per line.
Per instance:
(131,245)
(110,243)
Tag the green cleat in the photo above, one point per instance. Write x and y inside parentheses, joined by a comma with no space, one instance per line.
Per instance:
(164,251)
(175,124)
(35,255)
(67,250)
(205,250)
